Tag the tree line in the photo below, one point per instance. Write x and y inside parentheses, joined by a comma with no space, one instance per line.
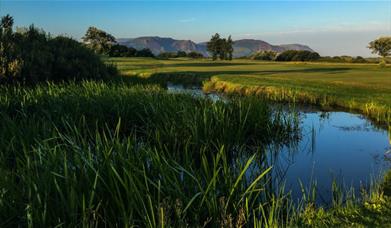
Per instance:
(180,54)
(104,43)
(289,55)
(222,48)
(380,46)
(29,55)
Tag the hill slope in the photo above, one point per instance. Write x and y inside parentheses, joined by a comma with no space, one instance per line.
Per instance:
(242,47)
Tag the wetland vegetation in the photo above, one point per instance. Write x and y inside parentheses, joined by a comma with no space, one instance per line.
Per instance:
(128,152)
(82,147)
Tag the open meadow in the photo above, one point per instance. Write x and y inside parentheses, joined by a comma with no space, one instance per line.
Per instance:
(364,88)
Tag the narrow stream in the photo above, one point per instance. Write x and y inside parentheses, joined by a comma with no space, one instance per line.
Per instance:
(335,146)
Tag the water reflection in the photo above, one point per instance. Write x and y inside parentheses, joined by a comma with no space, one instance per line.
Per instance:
(341,147)
(194,91)
(333,146)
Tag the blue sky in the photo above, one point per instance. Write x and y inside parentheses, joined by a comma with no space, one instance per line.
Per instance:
(331,28)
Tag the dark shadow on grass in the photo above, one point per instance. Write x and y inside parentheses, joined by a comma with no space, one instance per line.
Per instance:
(210,64)
(324,70)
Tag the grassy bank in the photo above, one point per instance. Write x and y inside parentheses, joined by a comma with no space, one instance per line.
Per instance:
(364,88)
(368,97)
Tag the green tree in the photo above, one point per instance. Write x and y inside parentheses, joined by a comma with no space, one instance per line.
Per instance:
(220,47)
(145,52)
(229,47)
(381,46)
(213,46)
(98,40)
(118,50)
(10,64)
(194,55)
(30,55)
(180,54)
(297,55)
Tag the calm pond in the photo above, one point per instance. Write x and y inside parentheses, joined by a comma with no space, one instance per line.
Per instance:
(335,146)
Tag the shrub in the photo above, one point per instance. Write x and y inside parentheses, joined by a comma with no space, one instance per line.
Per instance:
(286,55)
(73,61)
(146,52)
(36,57)
(264,55)
(295,55)
(382,63)
(167,55)
(181,54)
(359,59)
(346,59)
(195,55)
(118,50)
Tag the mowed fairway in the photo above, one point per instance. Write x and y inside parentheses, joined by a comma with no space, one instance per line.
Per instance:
(361,87)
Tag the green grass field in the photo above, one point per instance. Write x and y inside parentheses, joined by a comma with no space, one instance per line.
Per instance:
(365,88)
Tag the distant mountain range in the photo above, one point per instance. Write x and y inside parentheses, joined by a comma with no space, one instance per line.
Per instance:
(242,47)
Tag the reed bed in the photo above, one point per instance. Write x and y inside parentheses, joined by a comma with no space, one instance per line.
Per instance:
(97,154)
(100,154)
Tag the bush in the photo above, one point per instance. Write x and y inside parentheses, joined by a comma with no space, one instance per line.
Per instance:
(74,61)
(295,55)
(37,57)
(346,59)
(119,50)
(264,55)
(146,52)
(382,63)
(286,55)
(167,55)
(181,54)
(195,55)
(359,59)
(122,51)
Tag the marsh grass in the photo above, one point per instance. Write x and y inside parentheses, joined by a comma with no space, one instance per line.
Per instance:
(100,154)
(96,154)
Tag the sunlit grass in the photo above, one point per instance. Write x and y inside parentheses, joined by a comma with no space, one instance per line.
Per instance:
(364,88)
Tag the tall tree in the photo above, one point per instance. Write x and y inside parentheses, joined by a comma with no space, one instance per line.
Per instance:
(222,44)
(10,65)
(230,48)
(381,46)
(220,47)
(98,40)
(213,46)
